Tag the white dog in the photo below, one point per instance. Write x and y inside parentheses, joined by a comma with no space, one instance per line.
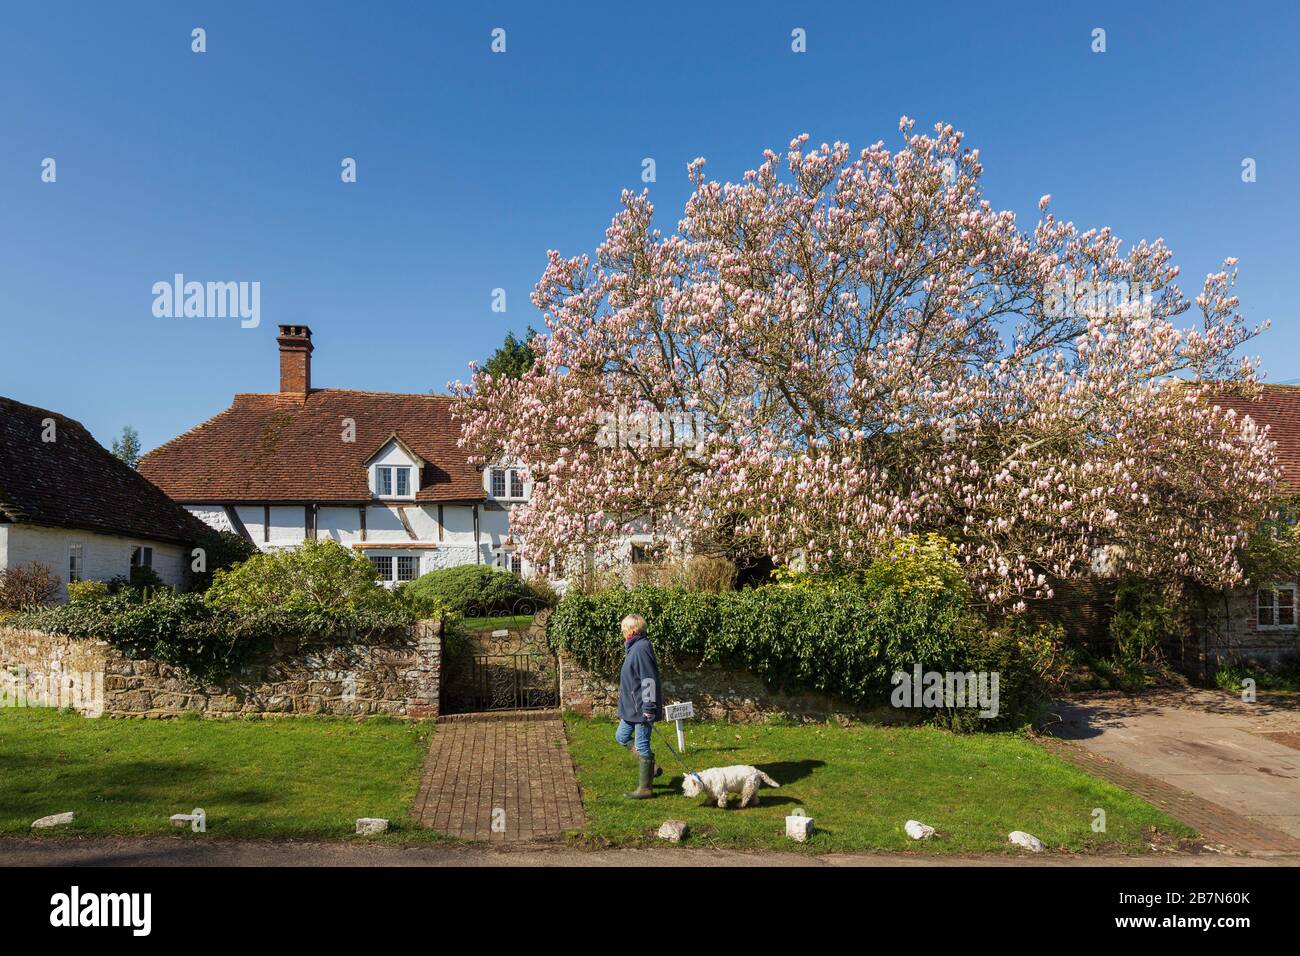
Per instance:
(720,782)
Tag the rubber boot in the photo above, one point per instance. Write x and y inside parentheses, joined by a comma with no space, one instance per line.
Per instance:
(631,749)
(647,771)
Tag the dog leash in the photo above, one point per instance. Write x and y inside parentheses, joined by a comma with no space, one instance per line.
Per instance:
(675,757)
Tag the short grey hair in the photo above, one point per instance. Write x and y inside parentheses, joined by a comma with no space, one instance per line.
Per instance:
(632,624)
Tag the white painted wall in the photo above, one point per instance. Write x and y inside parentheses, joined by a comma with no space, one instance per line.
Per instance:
(455,545)
(103,556)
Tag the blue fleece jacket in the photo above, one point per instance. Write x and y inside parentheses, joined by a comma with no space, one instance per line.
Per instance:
(639,693)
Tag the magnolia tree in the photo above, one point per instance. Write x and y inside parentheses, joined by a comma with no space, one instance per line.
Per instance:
(840,351)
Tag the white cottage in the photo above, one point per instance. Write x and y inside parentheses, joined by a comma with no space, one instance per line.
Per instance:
(376,471)
(68,504)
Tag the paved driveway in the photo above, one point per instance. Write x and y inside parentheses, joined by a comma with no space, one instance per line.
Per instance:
(1211,746)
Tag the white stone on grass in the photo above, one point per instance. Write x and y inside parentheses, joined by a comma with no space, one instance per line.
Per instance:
(1026,840)
(799,827)
(673,831)
(918,830)
(372,825)
(54,820)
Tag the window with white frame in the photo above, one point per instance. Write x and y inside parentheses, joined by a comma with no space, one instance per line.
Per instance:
(511,560)
(507,483)
(393,481)
(76,561)
(394,569)
(1276,606)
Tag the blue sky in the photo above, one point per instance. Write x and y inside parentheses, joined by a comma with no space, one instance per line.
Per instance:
(225,165)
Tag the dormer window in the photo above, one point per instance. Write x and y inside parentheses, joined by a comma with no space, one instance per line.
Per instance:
(392,481)
(507,484)
(394,470)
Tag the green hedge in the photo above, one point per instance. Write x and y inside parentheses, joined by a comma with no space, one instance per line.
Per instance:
(847,641)
(192,633)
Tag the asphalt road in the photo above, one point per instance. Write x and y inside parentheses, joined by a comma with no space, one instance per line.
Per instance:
(113,851)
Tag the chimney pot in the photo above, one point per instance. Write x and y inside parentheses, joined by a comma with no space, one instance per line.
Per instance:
(295,360)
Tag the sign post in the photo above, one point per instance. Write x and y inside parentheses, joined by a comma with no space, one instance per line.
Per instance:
(678,713)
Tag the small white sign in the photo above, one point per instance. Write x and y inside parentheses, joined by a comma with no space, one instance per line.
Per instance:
(679,711)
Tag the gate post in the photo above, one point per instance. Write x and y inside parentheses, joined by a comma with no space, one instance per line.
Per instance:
(426,670)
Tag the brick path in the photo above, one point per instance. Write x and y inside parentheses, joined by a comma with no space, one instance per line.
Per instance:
(514,772)
(1216,824)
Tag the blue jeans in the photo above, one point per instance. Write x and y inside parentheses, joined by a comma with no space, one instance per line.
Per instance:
(624,734)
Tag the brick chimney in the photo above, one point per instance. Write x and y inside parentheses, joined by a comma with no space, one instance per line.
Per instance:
(295,360)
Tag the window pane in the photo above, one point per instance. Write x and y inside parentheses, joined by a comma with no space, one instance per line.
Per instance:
(74,562)
(385,481)
(384,565)
(1266,616)
(403,481)
(406,567)
(516,563)
(516,485)
(1286,607)
(498,483)
(148,557)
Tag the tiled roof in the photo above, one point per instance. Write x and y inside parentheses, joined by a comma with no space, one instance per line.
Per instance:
(74,482)
(1278,407)
(274,447)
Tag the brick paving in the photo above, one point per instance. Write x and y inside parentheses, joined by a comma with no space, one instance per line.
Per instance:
(1282,737)
(500,780)
(1217,824)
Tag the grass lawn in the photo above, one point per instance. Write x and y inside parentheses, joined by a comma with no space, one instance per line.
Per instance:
(299,777)
(861,784)
(513,622)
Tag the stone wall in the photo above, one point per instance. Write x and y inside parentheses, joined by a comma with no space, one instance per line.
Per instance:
(718,694)
(1228,629)
(398,674)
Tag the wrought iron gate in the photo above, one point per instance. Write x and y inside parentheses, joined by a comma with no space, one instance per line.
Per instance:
(505,668)
(525,681)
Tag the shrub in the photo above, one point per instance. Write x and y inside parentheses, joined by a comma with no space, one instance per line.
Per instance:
(142,583)
(472,589)
(845,637)
(1279,675)
(1143,621)
(315,577)
(542,589)
(86,592)
(699,572)
(27,585)
(221,550)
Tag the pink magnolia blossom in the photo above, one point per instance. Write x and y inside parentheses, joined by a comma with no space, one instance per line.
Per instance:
(874,351)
